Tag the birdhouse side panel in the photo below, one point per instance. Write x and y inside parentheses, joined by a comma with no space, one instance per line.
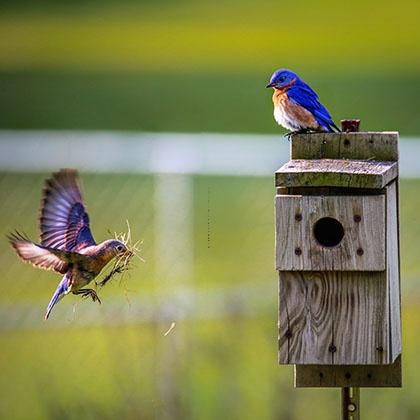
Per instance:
(393,268)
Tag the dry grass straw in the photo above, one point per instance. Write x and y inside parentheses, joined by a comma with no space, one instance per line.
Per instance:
(124,262)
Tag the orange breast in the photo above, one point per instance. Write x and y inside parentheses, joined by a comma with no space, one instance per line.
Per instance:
(293,112)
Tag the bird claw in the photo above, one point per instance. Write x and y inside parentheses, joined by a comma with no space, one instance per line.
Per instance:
(89,293)
(301,131)
(117,270)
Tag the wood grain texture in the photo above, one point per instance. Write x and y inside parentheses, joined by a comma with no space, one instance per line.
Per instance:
(371,376)
(333,318)
(296,216)
(381,146)
(393,269)
(336,173)
(328,191)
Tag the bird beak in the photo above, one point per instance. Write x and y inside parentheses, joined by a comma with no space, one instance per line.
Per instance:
(270,85)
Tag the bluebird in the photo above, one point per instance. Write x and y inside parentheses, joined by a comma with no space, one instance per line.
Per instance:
(66,243)
(296,104)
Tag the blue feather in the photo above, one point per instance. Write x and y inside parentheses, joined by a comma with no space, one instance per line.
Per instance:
(59,293)
(305,96)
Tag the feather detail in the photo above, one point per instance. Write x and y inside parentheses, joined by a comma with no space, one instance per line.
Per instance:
(62,289)
(36,255)
(64,222)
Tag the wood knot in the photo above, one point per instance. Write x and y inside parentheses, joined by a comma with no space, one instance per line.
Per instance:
(288,334)
(380,349)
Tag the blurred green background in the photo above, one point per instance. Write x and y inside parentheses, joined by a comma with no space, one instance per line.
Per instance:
(188,66)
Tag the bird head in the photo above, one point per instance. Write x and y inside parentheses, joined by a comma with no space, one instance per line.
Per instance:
(118,248)
(282,78)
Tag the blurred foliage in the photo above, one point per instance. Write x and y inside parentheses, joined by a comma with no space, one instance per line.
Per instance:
(202,66)
(239,36)
(219,365)
(195,102)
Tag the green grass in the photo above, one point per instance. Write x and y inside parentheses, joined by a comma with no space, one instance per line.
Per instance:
(195,102)
(216,366)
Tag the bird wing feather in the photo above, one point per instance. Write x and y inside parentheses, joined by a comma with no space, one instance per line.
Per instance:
(64,222)
(44,257)
(36,255)
(305,96)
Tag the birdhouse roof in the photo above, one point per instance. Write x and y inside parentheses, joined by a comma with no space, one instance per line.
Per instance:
(348,160)
(336,173)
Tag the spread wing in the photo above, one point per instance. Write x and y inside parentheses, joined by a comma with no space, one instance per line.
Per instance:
(64,222)
(36,254)
(305,96)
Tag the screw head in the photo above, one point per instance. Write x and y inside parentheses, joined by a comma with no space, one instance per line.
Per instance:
(298,217)
(332,348)
(360,252)
(351,407)
(357,218)
(298,251)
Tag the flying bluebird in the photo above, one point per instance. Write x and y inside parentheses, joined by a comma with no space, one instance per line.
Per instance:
(67,245)
(296,104)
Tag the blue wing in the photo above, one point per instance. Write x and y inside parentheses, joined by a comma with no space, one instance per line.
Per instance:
(64,221)
(306,97)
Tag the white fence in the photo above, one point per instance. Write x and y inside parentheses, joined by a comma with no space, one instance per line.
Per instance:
(160,154)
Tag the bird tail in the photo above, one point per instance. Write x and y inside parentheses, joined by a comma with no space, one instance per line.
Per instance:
(332,124)
(60,292)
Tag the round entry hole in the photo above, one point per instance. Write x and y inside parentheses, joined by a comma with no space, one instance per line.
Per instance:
(328,232)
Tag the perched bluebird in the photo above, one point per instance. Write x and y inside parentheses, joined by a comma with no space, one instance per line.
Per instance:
(67,245)
(296,104)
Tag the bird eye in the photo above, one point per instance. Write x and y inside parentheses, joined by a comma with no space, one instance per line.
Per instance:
(282,79)
(120,248)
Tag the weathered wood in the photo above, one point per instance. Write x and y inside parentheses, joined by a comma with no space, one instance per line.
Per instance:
(361,249)
(393,271)
(336,173)
(328,191)
(328,376)
(334,318)
(381,146)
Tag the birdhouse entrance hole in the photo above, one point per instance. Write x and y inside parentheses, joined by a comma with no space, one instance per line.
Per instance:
(328,232)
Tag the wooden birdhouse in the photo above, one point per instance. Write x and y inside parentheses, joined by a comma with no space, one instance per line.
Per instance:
(337,254)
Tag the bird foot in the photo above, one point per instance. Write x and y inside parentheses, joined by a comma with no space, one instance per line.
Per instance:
(301,131)
(117,270)
(88,293)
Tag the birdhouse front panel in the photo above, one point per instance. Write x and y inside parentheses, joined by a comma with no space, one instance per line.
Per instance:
(330,233)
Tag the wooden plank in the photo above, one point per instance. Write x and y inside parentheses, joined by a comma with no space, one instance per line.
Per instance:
(333,318)
(380,146)
(336,173)
(370,376)
(361,249)
(328,191)
(393,270)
